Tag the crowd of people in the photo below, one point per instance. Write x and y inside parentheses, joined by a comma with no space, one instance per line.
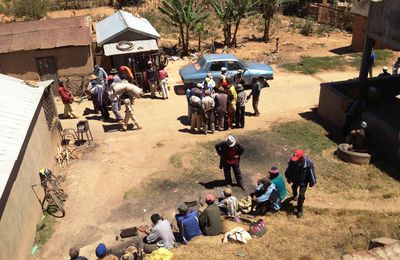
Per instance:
(205,217)
(103,95)
(221,105)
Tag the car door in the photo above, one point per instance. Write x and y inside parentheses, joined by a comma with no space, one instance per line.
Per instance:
(215,69)
(233,67)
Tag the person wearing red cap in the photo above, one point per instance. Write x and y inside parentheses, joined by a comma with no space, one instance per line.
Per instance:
(300,173)
(230,151)
(128,73)
(210,218)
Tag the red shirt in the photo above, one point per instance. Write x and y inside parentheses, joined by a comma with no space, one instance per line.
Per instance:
(162,74)
(230,159)
(65,95)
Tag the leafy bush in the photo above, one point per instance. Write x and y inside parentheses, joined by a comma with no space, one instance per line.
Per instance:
(25,9)
(308,28)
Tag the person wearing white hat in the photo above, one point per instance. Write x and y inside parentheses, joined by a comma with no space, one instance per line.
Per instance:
(223,74)
(230,151)
(384,72)
(239,77)
(358,137)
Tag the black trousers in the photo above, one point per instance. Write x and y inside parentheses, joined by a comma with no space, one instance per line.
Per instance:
(240,116)
(301,193)
(236,171)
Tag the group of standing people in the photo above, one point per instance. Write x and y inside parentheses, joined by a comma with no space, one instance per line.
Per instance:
(220,106)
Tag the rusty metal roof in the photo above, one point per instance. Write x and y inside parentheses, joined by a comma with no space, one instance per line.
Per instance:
(45,34)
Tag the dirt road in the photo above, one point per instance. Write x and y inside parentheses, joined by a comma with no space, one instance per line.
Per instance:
(122,160)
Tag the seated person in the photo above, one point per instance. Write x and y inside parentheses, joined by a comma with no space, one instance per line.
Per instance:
(160,235)
(74,254)
(188,224)
(229,204)
(266,197)
(358,138)
(277,179)
(210,218)
(103,254)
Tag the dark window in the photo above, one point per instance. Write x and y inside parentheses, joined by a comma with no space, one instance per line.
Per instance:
(233,65)
(217,65)
(49,107)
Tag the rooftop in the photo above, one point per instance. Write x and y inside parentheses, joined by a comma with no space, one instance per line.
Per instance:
(45,34)
(121,22)
(17,109)
(361,8)
(223,56)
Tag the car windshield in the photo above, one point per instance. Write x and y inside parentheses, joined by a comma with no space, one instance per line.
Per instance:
(200,63)
(244,63)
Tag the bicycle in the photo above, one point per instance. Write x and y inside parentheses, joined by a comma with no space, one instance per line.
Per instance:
(79,90)
(54,195)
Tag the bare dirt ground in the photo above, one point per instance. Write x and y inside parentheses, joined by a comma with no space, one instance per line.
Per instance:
(122,160)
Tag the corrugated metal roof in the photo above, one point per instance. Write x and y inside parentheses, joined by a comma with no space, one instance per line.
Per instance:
(121,22)
(45,34)
(18,104)
(138,46)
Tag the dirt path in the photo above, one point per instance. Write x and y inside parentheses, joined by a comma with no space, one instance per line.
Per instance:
(122,160)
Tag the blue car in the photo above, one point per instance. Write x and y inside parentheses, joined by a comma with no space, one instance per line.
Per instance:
(212,63)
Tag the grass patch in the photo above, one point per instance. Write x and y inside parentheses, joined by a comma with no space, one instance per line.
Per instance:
(322,234)
(44,230)
(312,65)
(176,160)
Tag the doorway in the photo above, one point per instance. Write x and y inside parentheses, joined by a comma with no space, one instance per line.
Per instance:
(47,68)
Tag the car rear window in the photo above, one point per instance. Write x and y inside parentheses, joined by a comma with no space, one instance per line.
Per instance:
(199,63)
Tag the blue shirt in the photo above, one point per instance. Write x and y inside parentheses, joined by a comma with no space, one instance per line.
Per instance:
(266,196)
(256,89)
(188,225)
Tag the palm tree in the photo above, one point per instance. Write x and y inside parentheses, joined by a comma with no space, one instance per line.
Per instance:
(231,13)
(186,15)
(268,8)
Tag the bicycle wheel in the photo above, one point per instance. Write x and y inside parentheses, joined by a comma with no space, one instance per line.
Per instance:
(54,202)
(55,186)
(74,88)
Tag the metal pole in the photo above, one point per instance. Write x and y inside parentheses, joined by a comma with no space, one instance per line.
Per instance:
(366,57)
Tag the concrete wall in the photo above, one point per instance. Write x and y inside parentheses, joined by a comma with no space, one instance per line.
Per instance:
(383,130)
(359,32)
(23,211)
(70,61)
(332,105)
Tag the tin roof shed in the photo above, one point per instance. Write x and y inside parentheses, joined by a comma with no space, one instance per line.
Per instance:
(17,109)
(121,22)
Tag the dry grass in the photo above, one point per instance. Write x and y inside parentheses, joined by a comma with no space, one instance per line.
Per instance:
(322,234)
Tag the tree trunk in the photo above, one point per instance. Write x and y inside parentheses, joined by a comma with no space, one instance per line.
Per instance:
(199,42)
(186,45)
(267,22)
(233,41)
(181,36)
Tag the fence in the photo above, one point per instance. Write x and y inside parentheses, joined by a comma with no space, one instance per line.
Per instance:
(334,17)
(78,4)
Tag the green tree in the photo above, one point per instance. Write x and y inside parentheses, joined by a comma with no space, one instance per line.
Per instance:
(268,9)
(186,15)
(25,9)
(231,13)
